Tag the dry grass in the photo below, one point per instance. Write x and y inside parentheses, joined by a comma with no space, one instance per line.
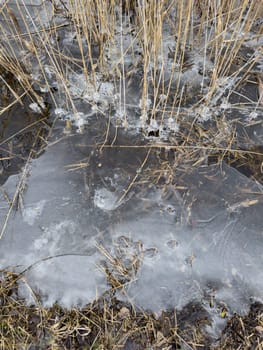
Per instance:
(110,324)
(216,31)
(157,43)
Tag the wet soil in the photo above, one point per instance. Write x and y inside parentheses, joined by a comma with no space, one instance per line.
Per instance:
(22,131)
(248,163)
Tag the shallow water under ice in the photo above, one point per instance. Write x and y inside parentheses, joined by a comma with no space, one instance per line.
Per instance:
(205,243)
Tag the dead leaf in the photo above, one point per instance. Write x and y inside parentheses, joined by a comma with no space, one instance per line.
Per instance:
(223,313)
(259,329)
(160,339)
(124,313)
(13,18)
(244,204)
(247,203)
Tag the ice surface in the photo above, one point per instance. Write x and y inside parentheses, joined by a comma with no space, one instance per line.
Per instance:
(105,199)
(181,252)
(219,245)
(55,220)
(31,213)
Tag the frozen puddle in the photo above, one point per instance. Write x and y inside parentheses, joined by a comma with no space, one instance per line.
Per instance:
(201,243)
(56,220)
(214,253)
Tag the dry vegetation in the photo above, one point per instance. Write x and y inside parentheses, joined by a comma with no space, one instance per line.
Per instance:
(110,324)
(189,59)
(217,31)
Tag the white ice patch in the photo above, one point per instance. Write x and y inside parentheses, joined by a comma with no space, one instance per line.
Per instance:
(60,112)
(35,108)
(81,87)
(252,116)
(225,104)
(80,120)
(106,89)
(153,125)
(173,125)
(49,71)
(205,114)
(145,104)
(69,38)
(31,213)
(53,237)
(70,280)
(105,199)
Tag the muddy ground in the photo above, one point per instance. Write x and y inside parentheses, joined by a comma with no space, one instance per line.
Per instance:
(110,324)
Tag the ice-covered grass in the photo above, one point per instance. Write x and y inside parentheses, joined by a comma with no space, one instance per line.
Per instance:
(173,71)
(181,53)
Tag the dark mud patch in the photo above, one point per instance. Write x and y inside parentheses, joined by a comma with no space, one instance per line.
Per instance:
(244,332)
(22,130)
(251,164)
(247,162)
(110,324)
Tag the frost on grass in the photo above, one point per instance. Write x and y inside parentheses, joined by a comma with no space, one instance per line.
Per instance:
(133,81)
